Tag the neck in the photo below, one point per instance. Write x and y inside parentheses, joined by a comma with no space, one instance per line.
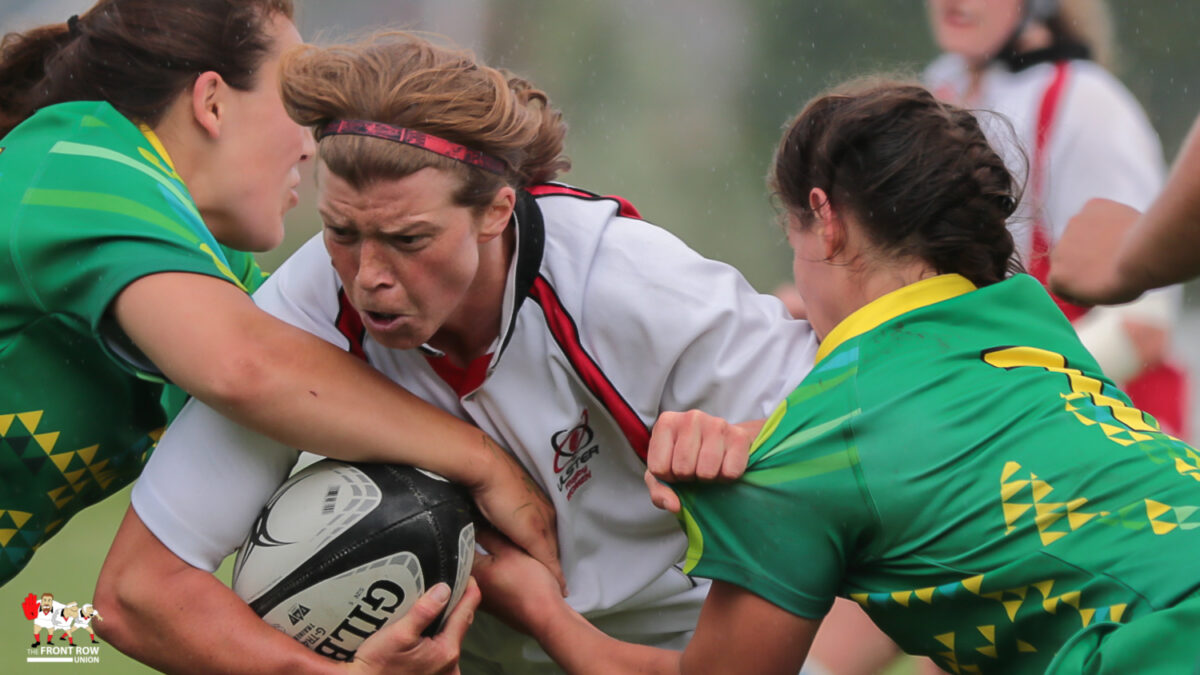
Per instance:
(470,331)
(179,138)
(1033,37)
(860,288)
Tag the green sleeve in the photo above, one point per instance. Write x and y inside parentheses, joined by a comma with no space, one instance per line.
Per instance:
(787,529)
(77,260)
(245,267)
(98,210)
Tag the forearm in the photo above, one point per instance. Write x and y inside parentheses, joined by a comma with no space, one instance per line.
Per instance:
(1163,247)
(582,649)
(312,396)
(210,339)
(169,615)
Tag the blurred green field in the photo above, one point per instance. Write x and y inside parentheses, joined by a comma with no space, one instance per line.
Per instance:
(67,566)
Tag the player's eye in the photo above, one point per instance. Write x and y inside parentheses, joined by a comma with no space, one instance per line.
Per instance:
(340,234)
(409,241)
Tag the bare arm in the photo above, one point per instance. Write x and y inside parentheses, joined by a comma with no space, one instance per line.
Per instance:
(1109,256)
(168,614)
(214,342)
(738,631)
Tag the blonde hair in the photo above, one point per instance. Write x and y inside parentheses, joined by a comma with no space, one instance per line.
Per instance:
(403,79)
(1089,23)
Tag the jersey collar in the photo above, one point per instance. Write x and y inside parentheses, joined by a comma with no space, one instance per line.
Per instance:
(155,143)
(527,261)
(887,307)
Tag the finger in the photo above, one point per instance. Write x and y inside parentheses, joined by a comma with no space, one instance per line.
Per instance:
(737,454)
(544,546)
(713,448)
(426,610)
(687,447)
(548,556)
(662,442)
(462,615)
(661,495)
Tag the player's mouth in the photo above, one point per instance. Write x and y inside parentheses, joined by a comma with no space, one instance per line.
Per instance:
(381,321)
(957,18)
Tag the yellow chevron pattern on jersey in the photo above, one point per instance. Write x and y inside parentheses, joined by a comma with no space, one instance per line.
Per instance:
(1086,399)
(1180,517)
(10,523)
(1018,496)
(1186,469)
(75,466)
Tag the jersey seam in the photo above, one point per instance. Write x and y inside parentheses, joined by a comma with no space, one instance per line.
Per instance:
(859,470)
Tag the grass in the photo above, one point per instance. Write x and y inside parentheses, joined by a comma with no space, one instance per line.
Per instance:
(68,566)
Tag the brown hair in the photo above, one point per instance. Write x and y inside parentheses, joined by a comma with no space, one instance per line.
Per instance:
(136,54)
(405,80)
(916,173)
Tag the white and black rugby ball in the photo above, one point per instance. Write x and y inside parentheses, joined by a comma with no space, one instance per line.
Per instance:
(344,548)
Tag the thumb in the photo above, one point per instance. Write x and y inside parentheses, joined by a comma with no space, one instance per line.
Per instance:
(660,495)
(430,605)
(423,613)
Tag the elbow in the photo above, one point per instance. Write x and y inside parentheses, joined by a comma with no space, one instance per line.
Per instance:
(240,379)
(116,599)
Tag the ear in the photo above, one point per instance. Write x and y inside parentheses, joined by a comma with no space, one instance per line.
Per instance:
(497,214)
(208,94)
(830,226)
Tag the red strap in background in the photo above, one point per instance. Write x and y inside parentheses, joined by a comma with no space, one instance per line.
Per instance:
(1039,255)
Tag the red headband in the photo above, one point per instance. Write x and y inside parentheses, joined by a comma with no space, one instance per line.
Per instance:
(418,139)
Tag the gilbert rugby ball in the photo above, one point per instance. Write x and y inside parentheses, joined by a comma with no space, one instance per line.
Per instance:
(342,549)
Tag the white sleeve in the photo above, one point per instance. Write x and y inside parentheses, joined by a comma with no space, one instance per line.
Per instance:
(693,326)
(209,477)
(205,484)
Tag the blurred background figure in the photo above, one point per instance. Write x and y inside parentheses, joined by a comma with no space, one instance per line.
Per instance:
(1076,133)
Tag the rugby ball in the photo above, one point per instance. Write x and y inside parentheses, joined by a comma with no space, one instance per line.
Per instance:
(342,549)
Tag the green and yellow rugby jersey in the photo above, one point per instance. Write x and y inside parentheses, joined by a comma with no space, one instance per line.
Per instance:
(957,464)
(88,203)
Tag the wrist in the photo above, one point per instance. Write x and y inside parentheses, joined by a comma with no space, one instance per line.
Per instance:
(480,464)
(1127,280)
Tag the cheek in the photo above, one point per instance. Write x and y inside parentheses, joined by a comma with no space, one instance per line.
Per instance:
(1000,19)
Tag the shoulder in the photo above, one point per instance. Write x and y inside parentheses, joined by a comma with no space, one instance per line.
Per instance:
(85,161)
(304,288)
(1091,89)
(605,240)
(600,254)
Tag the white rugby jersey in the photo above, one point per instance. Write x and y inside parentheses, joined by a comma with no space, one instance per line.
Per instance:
(607,322)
